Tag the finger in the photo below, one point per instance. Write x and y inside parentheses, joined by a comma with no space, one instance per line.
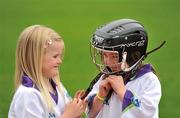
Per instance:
(79,101)
(85,100)
(80,104)
(75,100)
(81,93)
(77,94)
(110,79)
(115,76)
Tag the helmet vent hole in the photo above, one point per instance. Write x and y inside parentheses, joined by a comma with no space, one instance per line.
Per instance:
(116,30)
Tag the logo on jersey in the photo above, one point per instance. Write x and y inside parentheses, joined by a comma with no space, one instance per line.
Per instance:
(52,115)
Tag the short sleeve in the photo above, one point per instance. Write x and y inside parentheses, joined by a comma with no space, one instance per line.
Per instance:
(27,104)
(144,105)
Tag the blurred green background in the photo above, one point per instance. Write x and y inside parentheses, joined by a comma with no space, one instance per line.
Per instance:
(76,20)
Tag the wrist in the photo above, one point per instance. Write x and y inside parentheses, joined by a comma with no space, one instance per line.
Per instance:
(99,97)
(121,92)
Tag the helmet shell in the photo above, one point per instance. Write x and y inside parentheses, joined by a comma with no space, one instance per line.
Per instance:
(122,35)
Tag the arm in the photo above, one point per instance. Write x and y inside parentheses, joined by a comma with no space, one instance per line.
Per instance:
(98,100)
(96,107)
(142,104)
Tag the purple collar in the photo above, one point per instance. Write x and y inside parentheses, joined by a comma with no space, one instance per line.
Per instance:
(27,82)
(145,69)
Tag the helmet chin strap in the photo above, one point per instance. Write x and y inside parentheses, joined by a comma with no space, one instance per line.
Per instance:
(123,68)
(123,63)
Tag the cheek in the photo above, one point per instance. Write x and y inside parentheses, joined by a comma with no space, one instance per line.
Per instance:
(48,70)
(46,65)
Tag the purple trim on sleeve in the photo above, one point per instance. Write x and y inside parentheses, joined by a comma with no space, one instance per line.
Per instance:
(127,99)
(145,69)
(27,82)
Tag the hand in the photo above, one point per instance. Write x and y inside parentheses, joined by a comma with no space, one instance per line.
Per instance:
(74,109)
(104,88)
(79,94)
(117,84)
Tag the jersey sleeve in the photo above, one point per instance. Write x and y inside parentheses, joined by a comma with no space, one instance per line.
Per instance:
(27,104)
(95,88)
(68,98)
(145,104)
(91,96)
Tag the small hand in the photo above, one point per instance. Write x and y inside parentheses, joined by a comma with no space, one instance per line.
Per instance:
(117,84)
(104,88)
(79,94)
(74,109)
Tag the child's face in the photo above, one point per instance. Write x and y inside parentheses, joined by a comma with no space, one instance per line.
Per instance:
(52,59)
(111,59)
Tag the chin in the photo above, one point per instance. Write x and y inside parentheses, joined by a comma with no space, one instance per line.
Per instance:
(52,75)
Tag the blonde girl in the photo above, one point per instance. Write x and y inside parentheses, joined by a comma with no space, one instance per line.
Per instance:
(39,92)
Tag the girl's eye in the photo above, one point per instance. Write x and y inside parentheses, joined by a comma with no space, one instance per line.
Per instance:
(55,56)
(114,56)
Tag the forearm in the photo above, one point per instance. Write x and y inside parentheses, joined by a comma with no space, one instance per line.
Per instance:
(96,107)
(121,92)
(65,116)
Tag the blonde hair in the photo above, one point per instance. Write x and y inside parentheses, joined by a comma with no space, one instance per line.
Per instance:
(29,55)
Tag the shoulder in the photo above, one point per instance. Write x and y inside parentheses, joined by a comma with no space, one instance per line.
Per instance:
(26,96)
(27,92)
(148,81)
(27,101)
(150,78)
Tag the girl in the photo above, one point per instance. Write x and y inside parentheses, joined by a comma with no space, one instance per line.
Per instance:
(39,92)
(126,87)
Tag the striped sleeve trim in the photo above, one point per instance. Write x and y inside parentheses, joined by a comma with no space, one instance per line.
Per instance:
(129,101)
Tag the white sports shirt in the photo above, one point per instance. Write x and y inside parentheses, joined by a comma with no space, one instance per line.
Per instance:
(140,101)
(28,102)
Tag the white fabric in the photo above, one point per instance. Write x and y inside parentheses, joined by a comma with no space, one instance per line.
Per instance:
(28,103)
(146,88)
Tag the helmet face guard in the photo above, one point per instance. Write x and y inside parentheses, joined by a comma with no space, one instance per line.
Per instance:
(120,48)
(106,61)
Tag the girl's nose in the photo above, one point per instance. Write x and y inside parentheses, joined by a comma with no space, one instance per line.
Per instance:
(107,60)
(59,61)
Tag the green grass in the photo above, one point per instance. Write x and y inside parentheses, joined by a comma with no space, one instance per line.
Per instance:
(76,20)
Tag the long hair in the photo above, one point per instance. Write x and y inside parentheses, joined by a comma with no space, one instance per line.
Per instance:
(29,55)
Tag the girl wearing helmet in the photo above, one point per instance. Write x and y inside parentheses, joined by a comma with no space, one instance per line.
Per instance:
(125,87)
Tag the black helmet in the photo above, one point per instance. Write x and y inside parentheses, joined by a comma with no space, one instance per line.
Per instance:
(127,39)
(124,36)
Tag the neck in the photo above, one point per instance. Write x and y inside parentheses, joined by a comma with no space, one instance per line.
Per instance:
(49,85)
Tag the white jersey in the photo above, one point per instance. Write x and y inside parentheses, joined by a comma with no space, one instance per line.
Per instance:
(29,103)
(140,101)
